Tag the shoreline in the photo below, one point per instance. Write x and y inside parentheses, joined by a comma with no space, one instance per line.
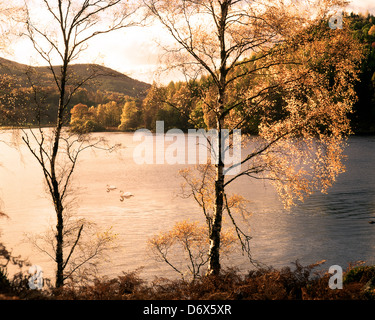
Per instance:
(116,130)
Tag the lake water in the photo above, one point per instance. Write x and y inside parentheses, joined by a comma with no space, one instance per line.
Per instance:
(333,227)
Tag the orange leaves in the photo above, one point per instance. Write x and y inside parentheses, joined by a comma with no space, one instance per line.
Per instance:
(303,140)
(79,111)
(185,231)
(189,234)
(185,247)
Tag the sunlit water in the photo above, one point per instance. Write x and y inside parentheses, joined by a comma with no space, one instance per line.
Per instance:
(333,227)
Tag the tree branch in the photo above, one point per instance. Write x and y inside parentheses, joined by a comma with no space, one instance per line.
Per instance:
(73,247)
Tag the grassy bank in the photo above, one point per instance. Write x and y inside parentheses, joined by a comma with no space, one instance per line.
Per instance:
(298,283)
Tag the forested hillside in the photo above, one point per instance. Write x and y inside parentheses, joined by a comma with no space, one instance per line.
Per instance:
(30,92)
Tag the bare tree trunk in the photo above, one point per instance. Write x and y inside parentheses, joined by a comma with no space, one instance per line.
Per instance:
(59,246)
(214,252)
(59,208)
(77,24)
(215,234)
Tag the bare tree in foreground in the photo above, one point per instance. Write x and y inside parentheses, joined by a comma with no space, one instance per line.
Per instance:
(9,14)
(61,39)
(275,65)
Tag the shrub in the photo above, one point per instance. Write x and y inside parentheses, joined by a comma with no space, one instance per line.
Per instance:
(82,126)
(361,274)
(119,288)
(299,283)
(4,281)
(92,126)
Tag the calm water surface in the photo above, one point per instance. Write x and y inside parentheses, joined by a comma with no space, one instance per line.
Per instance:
(333,227)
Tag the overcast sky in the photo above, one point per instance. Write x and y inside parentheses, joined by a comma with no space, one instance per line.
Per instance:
(134,51)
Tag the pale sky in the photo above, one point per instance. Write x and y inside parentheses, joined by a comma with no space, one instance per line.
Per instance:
(362,6)
(132,51)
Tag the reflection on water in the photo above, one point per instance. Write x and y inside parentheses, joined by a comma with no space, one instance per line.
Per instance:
(332,226)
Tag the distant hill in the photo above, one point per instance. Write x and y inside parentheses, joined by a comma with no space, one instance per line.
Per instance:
(106,79)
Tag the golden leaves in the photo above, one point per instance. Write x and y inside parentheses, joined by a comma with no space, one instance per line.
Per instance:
(307,93)
(185,247)
(107,236)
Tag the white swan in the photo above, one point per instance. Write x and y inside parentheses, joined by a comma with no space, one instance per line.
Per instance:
(125,195)
(110,188)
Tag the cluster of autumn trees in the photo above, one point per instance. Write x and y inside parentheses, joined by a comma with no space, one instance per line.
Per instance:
(123,116)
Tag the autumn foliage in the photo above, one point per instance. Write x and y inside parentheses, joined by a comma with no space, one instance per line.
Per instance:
(289,283)
(184,248)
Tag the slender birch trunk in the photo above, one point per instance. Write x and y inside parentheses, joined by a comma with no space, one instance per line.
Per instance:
(215,234)
(59,208)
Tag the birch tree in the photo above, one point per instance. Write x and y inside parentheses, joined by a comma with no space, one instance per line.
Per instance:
(60,38)
(276,64)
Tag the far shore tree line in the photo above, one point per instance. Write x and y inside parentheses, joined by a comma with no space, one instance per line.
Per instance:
(111,115)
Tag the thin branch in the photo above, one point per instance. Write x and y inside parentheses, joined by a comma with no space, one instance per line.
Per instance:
(242,236)
(73,247)
(164,257)
(252,155)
